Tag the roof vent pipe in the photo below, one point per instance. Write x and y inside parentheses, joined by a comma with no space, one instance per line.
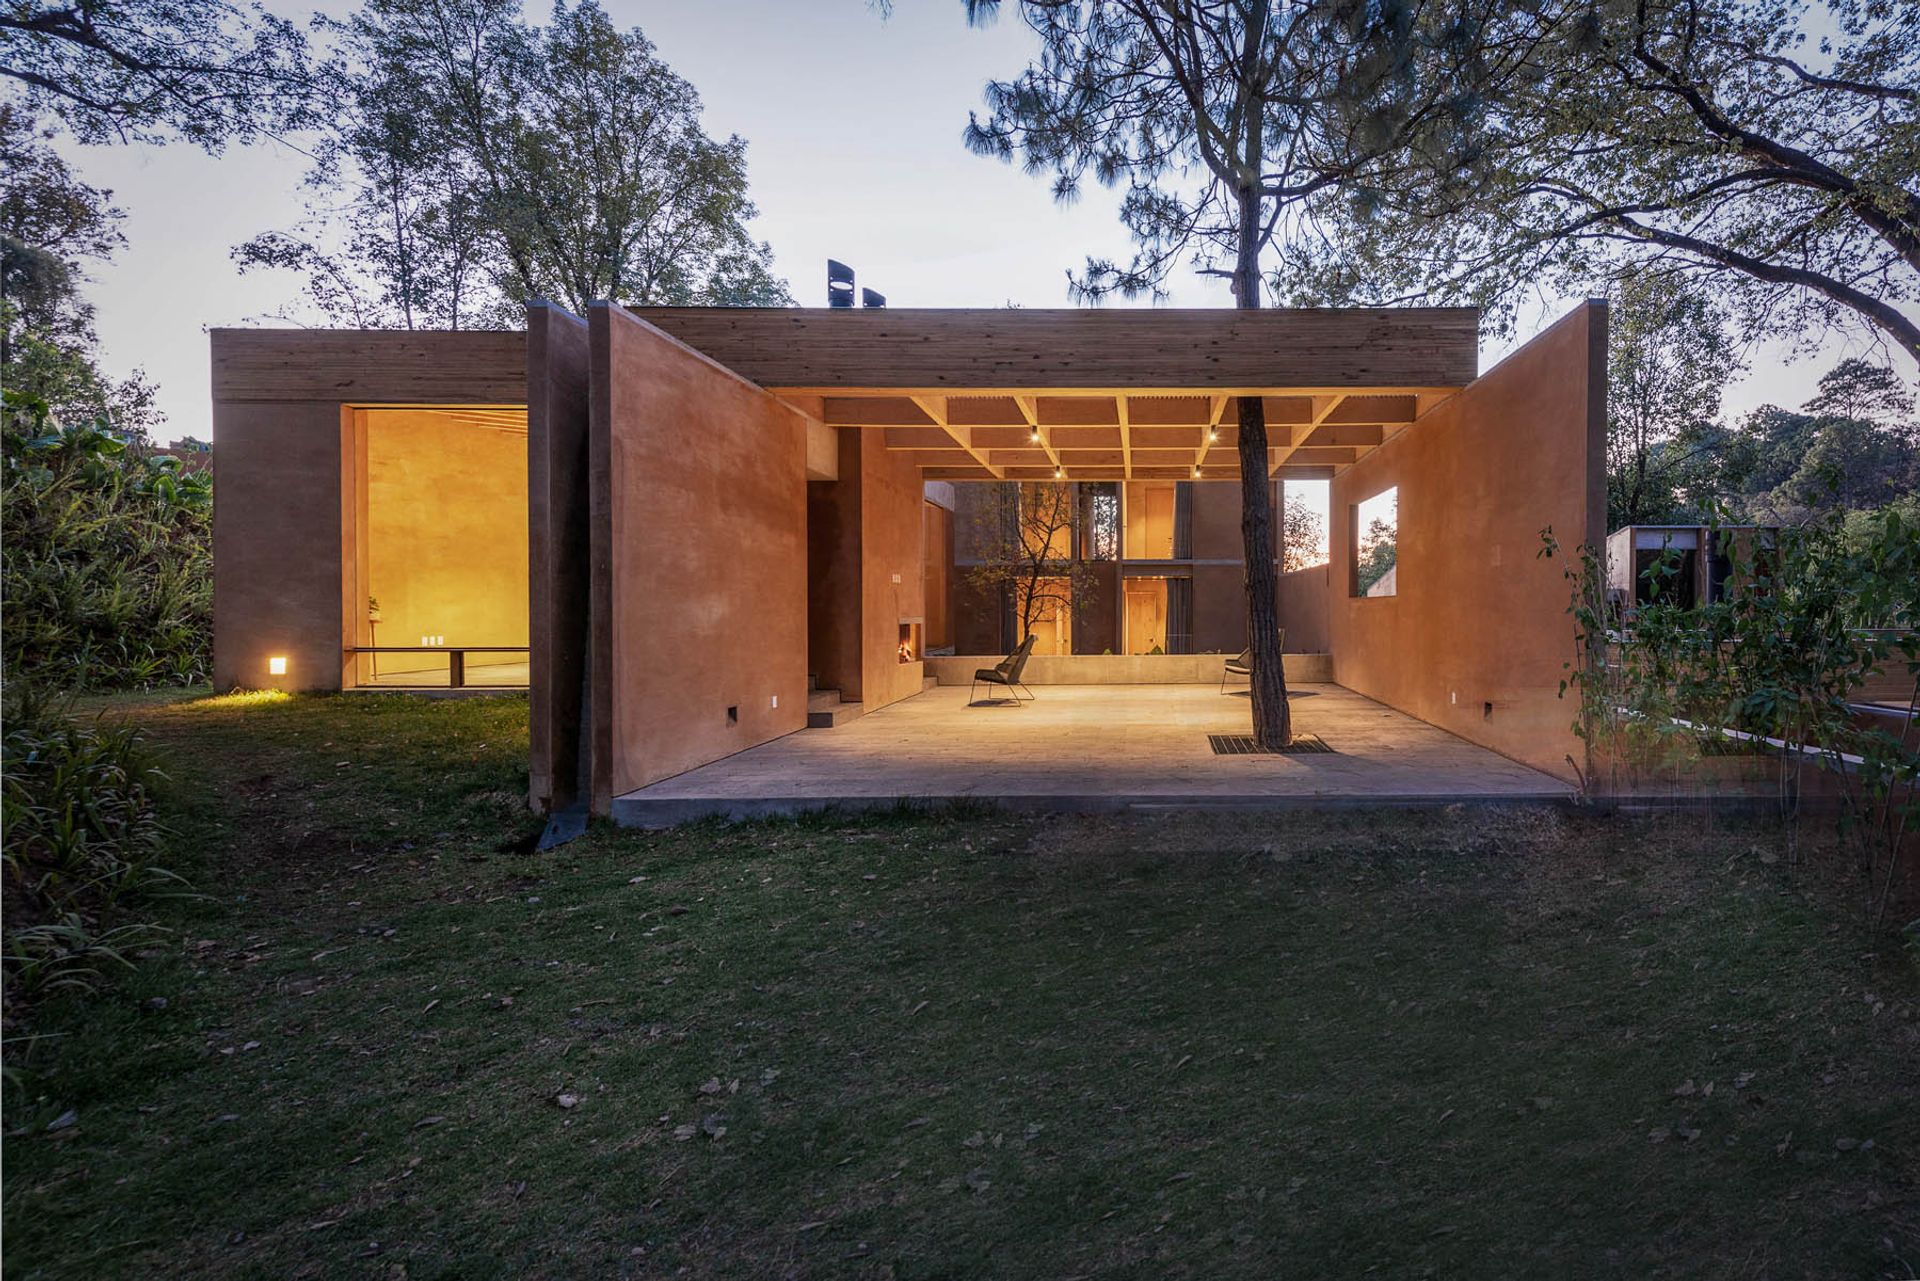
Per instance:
(839,284)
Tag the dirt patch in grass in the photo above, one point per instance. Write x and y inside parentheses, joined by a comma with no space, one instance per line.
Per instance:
(1449,1042)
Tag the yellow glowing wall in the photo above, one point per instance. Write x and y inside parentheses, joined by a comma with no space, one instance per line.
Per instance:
(1149,517)
(443,533)
(1146,615)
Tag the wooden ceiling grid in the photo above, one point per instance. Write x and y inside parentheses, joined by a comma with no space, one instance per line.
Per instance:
(1117,435)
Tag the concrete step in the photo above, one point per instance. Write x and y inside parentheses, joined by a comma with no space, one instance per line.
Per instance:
(820,700)
(832,714)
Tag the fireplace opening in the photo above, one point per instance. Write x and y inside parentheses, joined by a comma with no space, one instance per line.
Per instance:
(909,651)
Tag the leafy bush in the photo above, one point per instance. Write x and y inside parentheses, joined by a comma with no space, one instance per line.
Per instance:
(81,844)
(107,557)
(1773,668)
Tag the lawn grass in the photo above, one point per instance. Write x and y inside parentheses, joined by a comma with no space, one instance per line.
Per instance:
(1452,1043)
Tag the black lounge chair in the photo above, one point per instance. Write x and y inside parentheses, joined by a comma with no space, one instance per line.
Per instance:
(1005,673)
(1243,665)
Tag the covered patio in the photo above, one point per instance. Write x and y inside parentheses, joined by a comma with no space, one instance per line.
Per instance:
(1092,747)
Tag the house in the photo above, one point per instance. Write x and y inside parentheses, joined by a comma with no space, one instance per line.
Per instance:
(672,524)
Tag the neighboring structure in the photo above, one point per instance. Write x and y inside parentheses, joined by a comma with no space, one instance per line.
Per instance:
(1707,561)
(666,521)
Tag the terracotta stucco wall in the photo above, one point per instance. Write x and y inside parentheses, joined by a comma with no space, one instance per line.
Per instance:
(285,511)
(277,526)
(834,611)
(892,568)
(1475,639)
(700,547)
(1219,609)
(937,572)
(1303,608)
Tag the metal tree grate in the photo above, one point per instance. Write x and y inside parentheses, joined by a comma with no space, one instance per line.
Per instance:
(1243,745)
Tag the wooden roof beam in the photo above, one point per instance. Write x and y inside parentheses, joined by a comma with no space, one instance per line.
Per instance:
(1030,410)
(1212,432)
(935,407)
(1322,406)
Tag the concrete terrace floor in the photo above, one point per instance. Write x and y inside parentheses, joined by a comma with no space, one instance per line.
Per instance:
(1092,747)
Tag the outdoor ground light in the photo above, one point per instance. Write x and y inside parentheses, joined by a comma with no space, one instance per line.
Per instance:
(277,665)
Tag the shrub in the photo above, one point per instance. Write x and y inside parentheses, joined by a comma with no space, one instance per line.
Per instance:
(81,845)
(1773,667)
(107,558)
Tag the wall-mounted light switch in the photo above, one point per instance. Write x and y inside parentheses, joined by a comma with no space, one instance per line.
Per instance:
(776,700)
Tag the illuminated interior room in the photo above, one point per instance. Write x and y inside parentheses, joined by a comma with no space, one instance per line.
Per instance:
(439,540)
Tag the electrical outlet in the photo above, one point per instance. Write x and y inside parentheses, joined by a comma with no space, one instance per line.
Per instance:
(896,578)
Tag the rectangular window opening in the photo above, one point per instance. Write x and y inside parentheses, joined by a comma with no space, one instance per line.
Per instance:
(1373,536)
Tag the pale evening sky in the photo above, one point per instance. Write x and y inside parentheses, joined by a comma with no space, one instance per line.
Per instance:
(853,125)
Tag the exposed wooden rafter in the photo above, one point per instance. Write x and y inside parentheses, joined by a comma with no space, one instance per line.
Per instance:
(1030,410)
(935,407)
(1215,410)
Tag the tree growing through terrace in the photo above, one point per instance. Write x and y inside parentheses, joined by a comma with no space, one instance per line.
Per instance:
(1021,535)
(1218,118)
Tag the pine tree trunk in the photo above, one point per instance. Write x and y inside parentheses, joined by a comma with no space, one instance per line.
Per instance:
(1272,719)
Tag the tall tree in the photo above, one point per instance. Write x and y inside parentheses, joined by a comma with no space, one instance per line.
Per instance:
(52,227)
(149,70)
(1770,150)
(482,161)
(1669,358)
(1222,119)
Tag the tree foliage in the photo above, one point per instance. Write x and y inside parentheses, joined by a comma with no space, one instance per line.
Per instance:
(1771,669)
(52,227)
(1303,534)
(147,71)
(107,557)
(475,162)
(1767,149)
(1669,358)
